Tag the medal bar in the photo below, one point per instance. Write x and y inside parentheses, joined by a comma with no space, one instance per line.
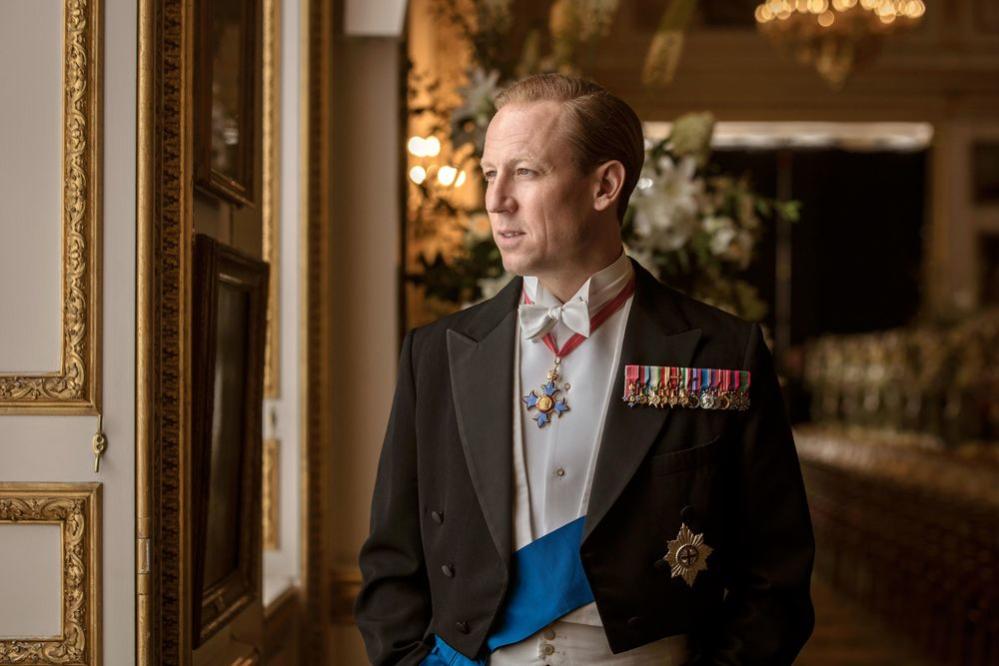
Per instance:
(671,386)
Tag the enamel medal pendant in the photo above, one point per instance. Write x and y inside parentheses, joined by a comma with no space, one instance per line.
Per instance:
(549,403)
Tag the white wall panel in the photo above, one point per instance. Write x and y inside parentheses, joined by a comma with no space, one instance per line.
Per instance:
(30,557)
(42,448)
(31,122)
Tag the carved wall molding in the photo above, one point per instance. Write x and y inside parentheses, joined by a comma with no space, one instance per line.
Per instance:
(270,200)
(270,495)
(75,387)
(163,359)
(76,510)
(319,26)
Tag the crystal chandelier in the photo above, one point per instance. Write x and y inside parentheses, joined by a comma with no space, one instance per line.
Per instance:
(835,36)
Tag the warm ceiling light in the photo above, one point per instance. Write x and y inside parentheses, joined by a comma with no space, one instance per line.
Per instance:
(848,35)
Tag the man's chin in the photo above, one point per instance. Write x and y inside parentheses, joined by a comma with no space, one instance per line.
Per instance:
(516,266)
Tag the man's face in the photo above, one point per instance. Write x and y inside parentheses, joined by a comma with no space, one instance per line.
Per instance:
(539,203)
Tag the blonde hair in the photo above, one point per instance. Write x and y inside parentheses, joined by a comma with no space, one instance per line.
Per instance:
(598,125)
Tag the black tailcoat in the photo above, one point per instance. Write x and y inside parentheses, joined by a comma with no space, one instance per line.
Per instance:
(437,560)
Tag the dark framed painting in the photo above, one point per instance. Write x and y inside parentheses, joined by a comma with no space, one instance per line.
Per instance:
(229,325)
(227,76)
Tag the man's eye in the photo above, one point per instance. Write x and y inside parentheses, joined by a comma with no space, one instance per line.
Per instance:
(488,175)
(524,172)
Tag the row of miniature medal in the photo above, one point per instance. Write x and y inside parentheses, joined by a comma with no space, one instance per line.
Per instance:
(671,386)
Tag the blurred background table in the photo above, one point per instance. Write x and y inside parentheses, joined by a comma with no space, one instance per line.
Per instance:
(907,528)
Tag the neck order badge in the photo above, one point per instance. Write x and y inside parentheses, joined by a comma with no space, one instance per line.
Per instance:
(550,402)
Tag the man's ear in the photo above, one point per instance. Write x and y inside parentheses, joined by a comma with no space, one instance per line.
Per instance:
(609,179)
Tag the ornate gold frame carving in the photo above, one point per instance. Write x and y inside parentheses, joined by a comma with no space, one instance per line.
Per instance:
(163,358)
(270,200)
(75,387)
(163,367)
(76,509)
(271,495)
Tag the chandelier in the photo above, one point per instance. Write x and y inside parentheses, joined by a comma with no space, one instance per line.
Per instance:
(835,36)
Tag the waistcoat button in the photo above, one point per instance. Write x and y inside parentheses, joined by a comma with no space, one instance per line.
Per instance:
(462,626)
(437,516)
(448,570)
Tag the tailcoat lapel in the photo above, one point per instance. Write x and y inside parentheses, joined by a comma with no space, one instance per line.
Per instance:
(656,333)
(480,356)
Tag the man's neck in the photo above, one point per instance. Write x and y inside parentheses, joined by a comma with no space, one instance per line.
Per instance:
(563,284)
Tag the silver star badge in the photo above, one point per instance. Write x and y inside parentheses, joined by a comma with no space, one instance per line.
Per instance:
(687,555)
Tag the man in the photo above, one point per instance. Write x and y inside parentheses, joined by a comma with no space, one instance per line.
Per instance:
(590,467)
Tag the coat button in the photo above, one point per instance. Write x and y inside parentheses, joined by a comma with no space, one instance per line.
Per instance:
(687,514)
(462,626)
(636,623)
(437,516)
(448,570)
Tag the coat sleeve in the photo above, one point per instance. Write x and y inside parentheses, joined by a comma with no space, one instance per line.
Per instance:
(767,612)
(393,606)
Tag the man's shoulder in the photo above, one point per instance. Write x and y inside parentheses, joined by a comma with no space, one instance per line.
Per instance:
(708,316)
(718,326)
(456,320)
(472,320)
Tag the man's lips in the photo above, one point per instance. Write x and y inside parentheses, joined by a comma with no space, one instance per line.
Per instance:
(510,233)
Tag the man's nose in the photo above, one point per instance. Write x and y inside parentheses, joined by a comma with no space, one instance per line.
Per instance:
(499,199)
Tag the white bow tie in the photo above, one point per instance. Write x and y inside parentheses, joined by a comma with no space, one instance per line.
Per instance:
(536,320)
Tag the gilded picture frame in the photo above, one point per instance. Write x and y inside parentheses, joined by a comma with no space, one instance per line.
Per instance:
(227,66)
(76,387)
(76,509)
(228,327)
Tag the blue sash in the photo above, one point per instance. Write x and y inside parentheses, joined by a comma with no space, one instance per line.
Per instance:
(547,582)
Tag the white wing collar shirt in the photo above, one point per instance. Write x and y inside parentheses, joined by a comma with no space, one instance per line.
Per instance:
(554,464)
(559,457)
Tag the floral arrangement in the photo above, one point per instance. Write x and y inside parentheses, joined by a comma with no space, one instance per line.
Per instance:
(690,225)
(694,227)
